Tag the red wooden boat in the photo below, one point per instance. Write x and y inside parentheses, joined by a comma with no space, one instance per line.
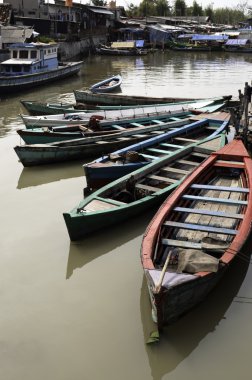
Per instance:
(197,232)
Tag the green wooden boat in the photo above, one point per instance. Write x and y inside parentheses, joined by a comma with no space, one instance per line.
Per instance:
(40,108)
(136,192)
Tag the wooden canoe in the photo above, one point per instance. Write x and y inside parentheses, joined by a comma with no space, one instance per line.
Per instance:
(40,108)
(197,233)
(107,85)
(75,149)
(46,135)
(121,162)
(84,117)
(87,97)
(136,192)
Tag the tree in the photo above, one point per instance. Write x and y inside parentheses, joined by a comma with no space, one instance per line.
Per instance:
(99,3)
(132,10)
(147,7)
(197,9)
(162,8)
(180,8)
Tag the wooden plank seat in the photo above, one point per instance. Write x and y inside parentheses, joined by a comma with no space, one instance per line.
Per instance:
(124,138)
(186,162)
(197,154)
(185,139)
(160,178)
(140,135)
(101,204)
(220,188)
(198,227)
(175,170)
(181,243)
(157,122)
(229,163)
(147,187)
(175,119)
(171,145)
(136,124)
(211,128)
(118,127)
(149,156)
(214,200)
(207,212)
(156,150)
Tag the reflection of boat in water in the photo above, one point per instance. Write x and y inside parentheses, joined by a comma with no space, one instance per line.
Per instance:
(85,251)
(181,338)
(41,175)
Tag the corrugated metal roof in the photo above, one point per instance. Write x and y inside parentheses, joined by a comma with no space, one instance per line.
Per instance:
(18,62)
(237,42)
(101,11)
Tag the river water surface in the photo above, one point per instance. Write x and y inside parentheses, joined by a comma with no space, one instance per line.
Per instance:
(80,310)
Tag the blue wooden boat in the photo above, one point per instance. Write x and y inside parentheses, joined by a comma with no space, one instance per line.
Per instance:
(33,64)
(134,193)
(107,85)
(121,162)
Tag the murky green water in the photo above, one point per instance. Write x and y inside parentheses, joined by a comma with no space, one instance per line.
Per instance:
(81,310)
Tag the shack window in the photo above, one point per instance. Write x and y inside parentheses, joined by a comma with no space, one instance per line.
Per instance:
(33,54)
(16,68)
(23,54)
(26,69)
(14,54)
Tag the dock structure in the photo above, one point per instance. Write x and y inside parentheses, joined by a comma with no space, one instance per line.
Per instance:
(241,116)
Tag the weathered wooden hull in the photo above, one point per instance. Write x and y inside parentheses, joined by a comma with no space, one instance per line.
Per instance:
(213,202)
(41,135)
(114,115)
(39,108)
(75,149)
(107,85)
(23,82)
(118,99)
(103,170)
(86,218)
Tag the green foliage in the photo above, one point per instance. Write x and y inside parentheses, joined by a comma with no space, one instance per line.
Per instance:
(162,8)
(99,3)
(228,16)
(180,8)
(147,7)
(44,39)
(197,9)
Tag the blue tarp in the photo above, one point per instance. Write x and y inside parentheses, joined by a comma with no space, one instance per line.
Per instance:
(210,37)
(139,43)
(236,42)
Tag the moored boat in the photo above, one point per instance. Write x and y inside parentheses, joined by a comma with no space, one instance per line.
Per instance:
(107,85)
(141,190)
(40,108)
(74,149)
(197,232)
(83,117)
(33,64)
(87,97)
(121,162)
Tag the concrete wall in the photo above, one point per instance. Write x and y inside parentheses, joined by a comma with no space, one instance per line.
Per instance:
(70,50)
